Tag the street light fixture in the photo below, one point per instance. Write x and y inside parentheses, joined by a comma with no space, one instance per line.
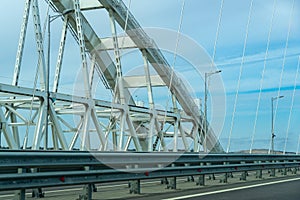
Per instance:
(207,75)
(50,20)
(272,123)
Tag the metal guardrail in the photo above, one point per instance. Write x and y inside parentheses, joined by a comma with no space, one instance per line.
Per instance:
(20,170)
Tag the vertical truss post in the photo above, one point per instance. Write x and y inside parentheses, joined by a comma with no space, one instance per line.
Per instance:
(7,132)
(196,138)
(150,100)
(182,133)
(15,130)
(120,88)
(54,137)
(76,135)
(61,50)
(81,41)
(114,133)
(92,70)
(133,132)
(21,43)
(98,129)
(85,145)
(39,42)
(148,80)
(175,137)
(121,135)
(160,135)
(151,131)
(39,125)
(127,143)
(57,129)
(177,119)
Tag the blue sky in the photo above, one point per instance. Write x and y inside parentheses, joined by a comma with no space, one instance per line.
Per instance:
(199,22)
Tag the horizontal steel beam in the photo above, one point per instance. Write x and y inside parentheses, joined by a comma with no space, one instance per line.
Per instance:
(140,81)
(124,42)
(27,92)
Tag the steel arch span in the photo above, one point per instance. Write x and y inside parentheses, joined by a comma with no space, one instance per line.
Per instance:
(44,116)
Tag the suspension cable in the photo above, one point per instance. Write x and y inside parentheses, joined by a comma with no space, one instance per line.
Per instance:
(212,65)
(284,60)
(263,75)
(240,75)
(284,56)
(174,59)
(291,108)
(218,31)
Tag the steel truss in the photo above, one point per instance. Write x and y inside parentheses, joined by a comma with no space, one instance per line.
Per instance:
(101,125)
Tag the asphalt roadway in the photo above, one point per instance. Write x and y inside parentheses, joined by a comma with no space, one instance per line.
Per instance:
(288,189)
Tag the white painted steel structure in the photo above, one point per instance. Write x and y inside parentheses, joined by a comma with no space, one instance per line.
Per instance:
(119,124)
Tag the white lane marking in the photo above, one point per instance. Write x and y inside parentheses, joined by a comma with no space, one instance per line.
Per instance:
(7,195)
(231,189)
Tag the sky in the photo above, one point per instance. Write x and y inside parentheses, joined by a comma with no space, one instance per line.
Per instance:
(239,51)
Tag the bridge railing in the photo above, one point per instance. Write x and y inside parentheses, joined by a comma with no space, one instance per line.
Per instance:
(32,169)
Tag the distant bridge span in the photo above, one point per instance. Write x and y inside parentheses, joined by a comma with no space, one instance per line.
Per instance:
(118,124)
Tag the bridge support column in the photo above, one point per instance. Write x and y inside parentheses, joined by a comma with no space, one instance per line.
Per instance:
(37,192)
(243,176)
(272,172)
(164,181)
(259,173)
(226,175)
(20,194)
(135,187)
(211,176)
(284,171)
(224,179)
(201,180)
(86,192)
(87,189)
(172,183)
(190,179)
(294,170)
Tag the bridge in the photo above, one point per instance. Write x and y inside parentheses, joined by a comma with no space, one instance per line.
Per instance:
(93,92)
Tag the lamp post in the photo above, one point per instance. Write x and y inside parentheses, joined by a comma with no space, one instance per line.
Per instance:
(207,75)
(272,122)
(50,19)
